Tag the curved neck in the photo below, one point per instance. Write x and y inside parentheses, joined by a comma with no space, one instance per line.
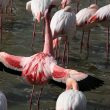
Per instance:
(48,44)
(71,83)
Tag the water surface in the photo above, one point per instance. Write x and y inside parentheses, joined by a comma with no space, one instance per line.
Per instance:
(17,36)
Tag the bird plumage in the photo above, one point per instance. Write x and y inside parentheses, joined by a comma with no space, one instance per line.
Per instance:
(84,14)
(63,22)
(71,100)
(3,101)
(102,14)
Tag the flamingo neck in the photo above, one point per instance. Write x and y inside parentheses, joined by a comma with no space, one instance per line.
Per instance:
(48,46)
(71,83)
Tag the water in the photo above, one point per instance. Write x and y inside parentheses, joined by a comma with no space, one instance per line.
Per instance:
(17,36)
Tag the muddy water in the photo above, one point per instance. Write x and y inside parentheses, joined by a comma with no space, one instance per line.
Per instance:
(17,36)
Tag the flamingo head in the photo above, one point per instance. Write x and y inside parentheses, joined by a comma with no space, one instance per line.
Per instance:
(93,6)
(65,3)
(68,9)
(71,83)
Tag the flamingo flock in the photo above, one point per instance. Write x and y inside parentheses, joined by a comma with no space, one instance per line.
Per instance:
(37,69)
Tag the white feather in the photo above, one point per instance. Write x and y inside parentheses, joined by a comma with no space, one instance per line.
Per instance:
(71,100)
(3,101)
(63,21)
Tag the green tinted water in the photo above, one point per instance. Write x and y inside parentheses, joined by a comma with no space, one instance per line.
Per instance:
(17,37)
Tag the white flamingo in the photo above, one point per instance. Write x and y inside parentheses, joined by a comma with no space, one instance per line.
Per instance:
(103,16)
(38,8)
(63,23)
(72,98)
(81,21)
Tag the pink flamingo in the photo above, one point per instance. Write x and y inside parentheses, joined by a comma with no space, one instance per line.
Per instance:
(38,68)
(63,23)
(38,7)
(71,99)
(81,21)
(103,16)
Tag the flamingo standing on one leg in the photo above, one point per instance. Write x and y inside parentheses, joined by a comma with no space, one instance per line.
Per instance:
(71,99)
(3,101)
(81,20)
(63,23)
(38,7)
(103,16)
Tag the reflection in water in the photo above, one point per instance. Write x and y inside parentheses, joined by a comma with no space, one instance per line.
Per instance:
(17,36)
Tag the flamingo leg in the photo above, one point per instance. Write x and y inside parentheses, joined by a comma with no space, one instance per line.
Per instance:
(34,34)
(77,6)
(65,49)
(88,40)
(58,51)
(67,52)
(81,44)
(30,106)
(0,25)
(89,2)
(95,1)
(11,6)
(38,100)
(43,29)
(107,45)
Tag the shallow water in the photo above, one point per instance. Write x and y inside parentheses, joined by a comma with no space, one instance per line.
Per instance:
(17,36)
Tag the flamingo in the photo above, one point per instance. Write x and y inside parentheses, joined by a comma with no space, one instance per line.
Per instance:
(71,99)
(40,67)
(38,7)
(63,23)
(103,16)
(81,21)
(3,101)
(3,5)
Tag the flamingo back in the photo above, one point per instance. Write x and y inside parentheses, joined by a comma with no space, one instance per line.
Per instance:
(63,22)
(71,100)
(38,68)
(102,15)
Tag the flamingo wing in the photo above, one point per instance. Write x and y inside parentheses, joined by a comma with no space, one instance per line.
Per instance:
(101,14)
(86,82)
(10,63)
(60,74)
(62,22)
(82,16)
